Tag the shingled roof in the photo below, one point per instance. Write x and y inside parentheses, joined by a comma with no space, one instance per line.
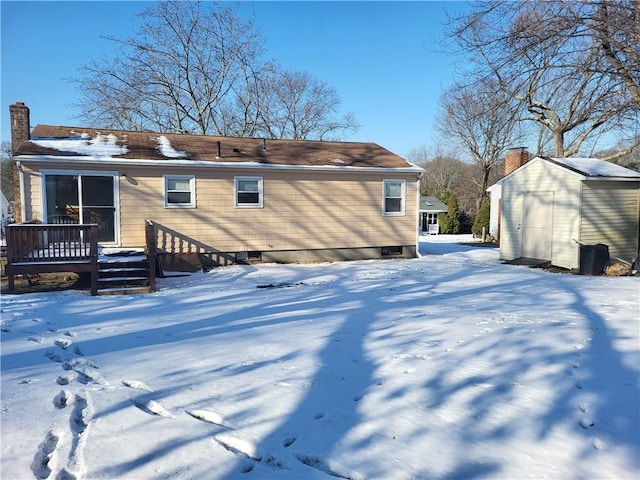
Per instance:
(60,141)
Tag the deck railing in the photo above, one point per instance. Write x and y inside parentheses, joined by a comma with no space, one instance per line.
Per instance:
(41,247)
(41,242)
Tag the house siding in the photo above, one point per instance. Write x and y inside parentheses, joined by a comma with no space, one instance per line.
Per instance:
(303,210)
(298,213)
(531,179)
(32,202)
(601,224)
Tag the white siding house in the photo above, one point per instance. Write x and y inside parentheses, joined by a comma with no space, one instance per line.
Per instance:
(550,206)
(4,212)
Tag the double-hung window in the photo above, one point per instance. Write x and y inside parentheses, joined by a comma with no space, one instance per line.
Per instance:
(248,192)
(179,191)
(393,197)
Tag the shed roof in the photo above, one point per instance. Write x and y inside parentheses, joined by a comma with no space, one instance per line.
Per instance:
(587,168)
(92,143)
(432,204)
(594,167)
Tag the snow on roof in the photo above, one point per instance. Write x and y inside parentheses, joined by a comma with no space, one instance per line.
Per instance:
(53,142)
(593,167)
(98,146)
(164,144)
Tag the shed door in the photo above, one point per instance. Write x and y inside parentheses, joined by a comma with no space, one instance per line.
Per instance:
(537,215)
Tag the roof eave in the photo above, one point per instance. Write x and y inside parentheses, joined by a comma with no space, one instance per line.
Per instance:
(173,163)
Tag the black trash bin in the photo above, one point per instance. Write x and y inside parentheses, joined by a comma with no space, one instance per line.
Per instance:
(593,259)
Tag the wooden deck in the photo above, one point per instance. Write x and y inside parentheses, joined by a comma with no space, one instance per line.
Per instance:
(34,248)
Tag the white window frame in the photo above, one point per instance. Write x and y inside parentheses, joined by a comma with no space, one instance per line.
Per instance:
(192,191)
(81,173)
(260,192)
(403,197)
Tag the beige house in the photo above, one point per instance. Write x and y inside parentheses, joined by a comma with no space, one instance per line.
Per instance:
(549,209)
(225,199)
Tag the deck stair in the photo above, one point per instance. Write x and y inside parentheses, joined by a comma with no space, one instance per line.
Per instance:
(121,275)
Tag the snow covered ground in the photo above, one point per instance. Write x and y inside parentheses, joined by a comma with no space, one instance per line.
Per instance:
(449,366)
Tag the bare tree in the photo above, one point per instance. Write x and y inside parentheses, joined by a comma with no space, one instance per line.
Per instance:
(196,67)
(445,174)
(552,58)
(616,26)
(300,106)
(175,74)
(481,122)
(6,171)
(442,174)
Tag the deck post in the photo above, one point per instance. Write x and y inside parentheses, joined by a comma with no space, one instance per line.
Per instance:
(93,254)
(150,240)
(10,239)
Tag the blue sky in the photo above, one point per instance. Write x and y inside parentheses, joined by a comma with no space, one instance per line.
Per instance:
(383,58)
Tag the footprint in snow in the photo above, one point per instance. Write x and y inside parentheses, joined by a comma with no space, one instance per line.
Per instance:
(61,400)
(88,375)
(288,442)
(208,417)
(586,423)
(64,379)
(138,385)
(40,465)
(239,446)
(54,357)
(77,363)
(322,466)
(81,415)
(63,343)
(152,408)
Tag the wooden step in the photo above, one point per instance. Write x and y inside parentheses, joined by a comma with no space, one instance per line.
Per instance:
(122,279)
(124,290)
(122,276)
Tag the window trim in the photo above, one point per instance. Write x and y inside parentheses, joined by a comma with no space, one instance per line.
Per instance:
(403,197)
(260,192)
(82,173)
(192,191)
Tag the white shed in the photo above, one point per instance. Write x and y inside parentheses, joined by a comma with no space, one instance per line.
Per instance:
(550,206)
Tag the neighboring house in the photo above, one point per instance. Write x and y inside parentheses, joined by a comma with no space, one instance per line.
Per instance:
(430,207)
(549,207)
(230,199)
(4,212)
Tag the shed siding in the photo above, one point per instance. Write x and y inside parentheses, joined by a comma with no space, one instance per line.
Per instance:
(616,227)
(535,177)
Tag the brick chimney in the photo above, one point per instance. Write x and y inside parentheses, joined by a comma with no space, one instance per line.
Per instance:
(20,128)
(514,159)
(20,132)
